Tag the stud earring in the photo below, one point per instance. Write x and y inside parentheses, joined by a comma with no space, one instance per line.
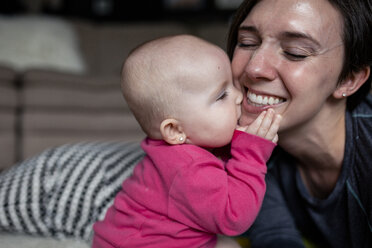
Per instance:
(180,139)
(343,94)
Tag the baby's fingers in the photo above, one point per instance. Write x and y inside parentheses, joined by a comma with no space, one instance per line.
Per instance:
(275,140)
(255,125)
(272,133)
(266,123)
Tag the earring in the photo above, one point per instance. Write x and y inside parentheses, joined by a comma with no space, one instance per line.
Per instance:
(343,94)
(180,139)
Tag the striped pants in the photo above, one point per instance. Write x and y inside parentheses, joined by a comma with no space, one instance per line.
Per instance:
(63,191)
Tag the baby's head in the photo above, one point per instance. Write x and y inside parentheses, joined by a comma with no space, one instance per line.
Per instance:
(180,89)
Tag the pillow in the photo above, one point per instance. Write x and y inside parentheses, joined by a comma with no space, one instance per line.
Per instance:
(64,190)
(39,42)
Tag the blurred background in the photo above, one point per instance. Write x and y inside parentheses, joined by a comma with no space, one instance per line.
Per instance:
(121,10)
(60,64)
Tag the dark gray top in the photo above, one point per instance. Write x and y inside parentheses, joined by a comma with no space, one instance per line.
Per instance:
(343,219)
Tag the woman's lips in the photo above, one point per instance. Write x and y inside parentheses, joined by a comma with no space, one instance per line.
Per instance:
(256,103)
(260,100)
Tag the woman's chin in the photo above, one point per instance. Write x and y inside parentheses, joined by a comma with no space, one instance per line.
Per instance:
(247,119)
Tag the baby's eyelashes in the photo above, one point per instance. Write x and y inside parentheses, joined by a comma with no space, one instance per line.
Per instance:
(223,95)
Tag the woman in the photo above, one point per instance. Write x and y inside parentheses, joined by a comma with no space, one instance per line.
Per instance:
(313,57)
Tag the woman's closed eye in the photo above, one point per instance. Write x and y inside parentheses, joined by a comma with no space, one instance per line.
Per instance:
(249,45)
(248,42)
(297,54)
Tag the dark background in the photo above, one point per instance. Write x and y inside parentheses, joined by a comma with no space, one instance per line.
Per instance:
(124,10)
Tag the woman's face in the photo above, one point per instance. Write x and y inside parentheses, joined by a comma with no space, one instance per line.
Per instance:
(289,56)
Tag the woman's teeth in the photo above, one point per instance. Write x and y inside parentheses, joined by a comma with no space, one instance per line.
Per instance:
(263,100)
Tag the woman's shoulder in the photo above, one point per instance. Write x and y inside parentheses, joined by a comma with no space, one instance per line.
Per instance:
(361,119)
(359,127)
(364,109)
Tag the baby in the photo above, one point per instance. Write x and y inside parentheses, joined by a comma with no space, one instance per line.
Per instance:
(181,91)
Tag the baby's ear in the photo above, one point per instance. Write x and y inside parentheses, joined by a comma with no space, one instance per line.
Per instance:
(172,132)
(352,83)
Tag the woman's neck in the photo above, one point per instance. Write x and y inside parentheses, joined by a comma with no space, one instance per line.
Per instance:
(318,149)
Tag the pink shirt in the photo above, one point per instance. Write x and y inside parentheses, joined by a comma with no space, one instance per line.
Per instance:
(182,196)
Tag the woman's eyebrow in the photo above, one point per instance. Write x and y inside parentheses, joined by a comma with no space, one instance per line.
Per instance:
(299,35)
(249,29)
(284,35)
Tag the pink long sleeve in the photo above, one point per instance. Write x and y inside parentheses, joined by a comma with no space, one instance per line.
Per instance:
(181,196)
(207,197)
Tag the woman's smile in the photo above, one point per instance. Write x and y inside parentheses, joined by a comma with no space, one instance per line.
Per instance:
(260,100)
(255,102)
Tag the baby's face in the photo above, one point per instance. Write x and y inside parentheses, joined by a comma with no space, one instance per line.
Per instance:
(211,107)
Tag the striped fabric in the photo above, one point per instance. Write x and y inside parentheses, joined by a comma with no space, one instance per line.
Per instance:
(63,191)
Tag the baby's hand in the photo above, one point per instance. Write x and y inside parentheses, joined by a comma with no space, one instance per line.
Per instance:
(266,125)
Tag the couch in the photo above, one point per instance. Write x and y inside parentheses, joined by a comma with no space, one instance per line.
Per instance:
(70,92)
(43,106)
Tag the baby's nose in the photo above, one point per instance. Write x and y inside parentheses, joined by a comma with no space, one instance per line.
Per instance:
(239,96)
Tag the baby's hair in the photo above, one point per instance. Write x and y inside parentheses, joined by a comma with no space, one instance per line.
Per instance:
(154,76)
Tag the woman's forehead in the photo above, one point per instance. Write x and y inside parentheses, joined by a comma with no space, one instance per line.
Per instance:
(316,18)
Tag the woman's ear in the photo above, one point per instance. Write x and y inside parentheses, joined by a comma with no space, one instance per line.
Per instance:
(171,131)
(352,83)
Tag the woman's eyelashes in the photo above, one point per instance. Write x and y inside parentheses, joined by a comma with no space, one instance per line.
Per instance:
(294,56)
(248,43)
(291,53)
(297,53)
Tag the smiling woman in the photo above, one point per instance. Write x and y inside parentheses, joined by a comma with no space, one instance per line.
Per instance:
(310,61)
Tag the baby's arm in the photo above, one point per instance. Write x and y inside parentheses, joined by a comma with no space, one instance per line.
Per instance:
(235,188)
(266,126)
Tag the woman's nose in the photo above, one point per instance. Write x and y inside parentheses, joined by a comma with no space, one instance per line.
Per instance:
(262,65)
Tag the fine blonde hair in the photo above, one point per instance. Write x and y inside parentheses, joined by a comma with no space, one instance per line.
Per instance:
(156,73)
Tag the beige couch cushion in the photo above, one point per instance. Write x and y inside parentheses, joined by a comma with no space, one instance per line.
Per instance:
(44,89)
(8,104)
(32,41)
(36,142)
(63,108)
